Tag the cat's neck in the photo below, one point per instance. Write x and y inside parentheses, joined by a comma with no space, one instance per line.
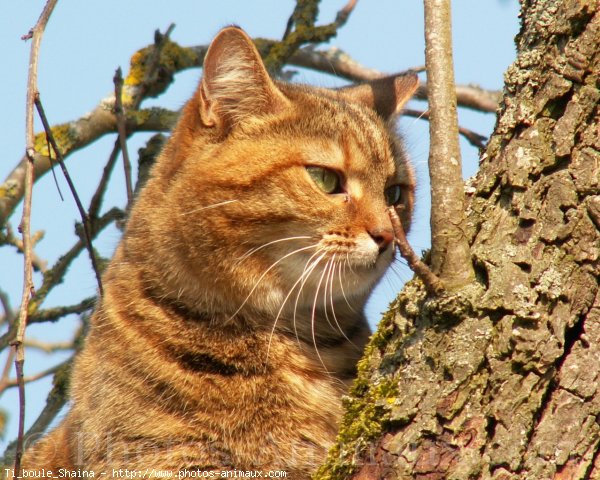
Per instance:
(329,339)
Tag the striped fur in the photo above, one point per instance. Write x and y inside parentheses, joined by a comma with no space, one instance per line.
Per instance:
(232,319)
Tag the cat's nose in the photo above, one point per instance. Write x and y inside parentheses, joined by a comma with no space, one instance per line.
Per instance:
(382,237)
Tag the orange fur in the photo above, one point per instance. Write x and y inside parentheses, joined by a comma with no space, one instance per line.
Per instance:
(220,341)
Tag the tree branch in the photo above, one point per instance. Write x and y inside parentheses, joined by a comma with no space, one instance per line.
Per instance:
(118,81)
(337,62)
(450,255)
(305,31)
(55,313)
(32,90)
(84,216)
(474,138)
(56,400)
(11,383)
(142,83)
(432,283)
(39,264)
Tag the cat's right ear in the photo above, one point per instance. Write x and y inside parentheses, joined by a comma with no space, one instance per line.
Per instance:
(387,95)
(235,84)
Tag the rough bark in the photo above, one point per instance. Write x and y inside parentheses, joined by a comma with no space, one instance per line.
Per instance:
(502,380)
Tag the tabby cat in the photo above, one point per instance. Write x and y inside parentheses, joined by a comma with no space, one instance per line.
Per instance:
(232,320)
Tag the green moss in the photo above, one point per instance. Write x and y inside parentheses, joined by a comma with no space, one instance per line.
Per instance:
(154,118)
(9,190)
(173,58)
(137,67)
(64,136)
(61,382)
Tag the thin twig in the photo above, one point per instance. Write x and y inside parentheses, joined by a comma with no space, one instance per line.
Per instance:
(84,217)
(474,138)
(99,121)
(47,347)
(32,378)
(62,199)
(154,75)
(55,275)
(53,314)
(432,283)
(7,367)
(118,109)
(450,254)
(335,61)
(9,314)
(32,90)
(96,202)
(38,263)
(55,401)
(305,31)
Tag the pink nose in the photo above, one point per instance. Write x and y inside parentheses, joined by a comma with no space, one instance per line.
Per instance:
(382,237)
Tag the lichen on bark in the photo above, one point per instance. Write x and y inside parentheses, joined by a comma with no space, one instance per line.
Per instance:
(504,385)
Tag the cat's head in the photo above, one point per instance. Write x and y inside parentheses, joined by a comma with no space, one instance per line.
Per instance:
(269,192)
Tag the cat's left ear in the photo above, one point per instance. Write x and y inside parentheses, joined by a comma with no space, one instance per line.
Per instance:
(235,84)
(386,96)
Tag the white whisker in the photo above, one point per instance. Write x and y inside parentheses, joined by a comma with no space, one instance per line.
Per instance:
(332,306)
(327,269)
(340,275)
(313,322)
(305,273)
(207,207)
(265,273)
(308,271)
(252,251)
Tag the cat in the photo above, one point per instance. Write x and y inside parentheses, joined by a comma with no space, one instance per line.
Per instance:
(231,321)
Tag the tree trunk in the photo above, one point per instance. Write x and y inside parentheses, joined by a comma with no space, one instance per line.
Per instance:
(503,380)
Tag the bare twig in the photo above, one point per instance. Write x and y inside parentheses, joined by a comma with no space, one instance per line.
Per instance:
(432,283)
(337,62)
(84,216)
(32,378)
(55,275)
(474,138)
(39,264)
(85,130)
(48,347)
(450,255)
(36,38)
(156,76)
(118,81)
(53,314)
(76,135)
(56,400)
(9,314)
(305,31)
(96,202)
(7,367)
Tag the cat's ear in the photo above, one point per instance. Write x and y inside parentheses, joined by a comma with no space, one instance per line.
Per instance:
(386,96)
(235,84)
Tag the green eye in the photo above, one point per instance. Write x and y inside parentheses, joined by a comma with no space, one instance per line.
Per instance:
(393,195)
(327,180)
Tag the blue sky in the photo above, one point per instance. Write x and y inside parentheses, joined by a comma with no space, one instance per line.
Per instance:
(87,40)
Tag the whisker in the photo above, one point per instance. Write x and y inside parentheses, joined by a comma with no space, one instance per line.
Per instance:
(340,275)
(313,322)
(207,207)
(332,306)
(327,269)
(303,276)
(265,273)
(306,277)
(252,251)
